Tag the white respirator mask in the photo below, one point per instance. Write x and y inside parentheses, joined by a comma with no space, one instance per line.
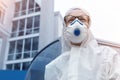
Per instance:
(76,31)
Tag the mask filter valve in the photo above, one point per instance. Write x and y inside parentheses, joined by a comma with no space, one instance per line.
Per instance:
(77,32)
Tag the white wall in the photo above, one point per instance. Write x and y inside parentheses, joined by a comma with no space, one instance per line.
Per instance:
(58,24)
(5,28)
(46,23)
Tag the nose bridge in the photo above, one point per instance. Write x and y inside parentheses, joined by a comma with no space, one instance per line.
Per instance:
(76,20)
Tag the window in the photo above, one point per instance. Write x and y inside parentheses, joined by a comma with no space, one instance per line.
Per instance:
(9,66)
(27,48)
(25,65)
(18,66)
(35,43)
(11,57)
(12,47)
(21,24)
(21,27)
(24,7)
(27,44)
(14,28)
(26,55)
(31,6)
(20,8)
(19,46)
(35,46)
(29,25)
(17,9)
(36,23)
(23,48)
(11,50)
(29,22)
(17,6)
(37,8)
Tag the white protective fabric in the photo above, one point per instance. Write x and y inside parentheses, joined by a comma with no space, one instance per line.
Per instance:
(89,61)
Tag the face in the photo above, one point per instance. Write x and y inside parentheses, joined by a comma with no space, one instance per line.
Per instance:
(77,14)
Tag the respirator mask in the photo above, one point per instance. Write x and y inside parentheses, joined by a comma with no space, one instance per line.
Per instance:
(76,31)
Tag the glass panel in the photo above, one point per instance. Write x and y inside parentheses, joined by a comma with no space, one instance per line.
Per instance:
(21,33)
(31,6)
(23,12)
(9,66)
(15,26)
(21,24)
(29,22)
(36,30)
(12,47)
(14,34)
(31,10)
(34,53)
(35,43)
(37,8)
(10,57)
(29,32)
(25,65)
(19,46)
(26,55)
(24,4)
(27,44)
(17,66)
(37,21)
(17,6)
(18,56)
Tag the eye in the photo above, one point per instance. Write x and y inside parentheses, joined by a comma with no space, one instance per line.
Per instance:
(83,18)
(71,20)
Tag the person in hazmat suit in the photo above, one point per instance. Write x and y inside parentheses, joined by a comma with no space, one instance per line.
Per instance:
(82,58)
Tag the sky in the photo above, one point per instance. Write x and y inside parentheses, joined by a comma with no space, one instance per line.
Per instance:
(105,16)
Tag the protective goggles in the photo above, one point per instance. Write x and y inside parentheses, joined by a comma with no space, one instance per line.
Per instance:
(70,18)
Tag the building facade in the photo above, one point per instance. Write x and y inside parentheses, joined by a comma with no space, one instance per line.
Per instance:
(24,36)
(27,29)
(6,11)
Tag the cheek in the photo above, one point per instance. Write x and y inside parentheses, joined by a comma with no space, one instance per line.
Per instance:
(67,24)
(86,24)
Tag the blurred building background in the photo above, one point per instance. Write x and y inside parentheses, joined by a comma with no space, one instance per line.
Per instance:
(26,27)
(23,31)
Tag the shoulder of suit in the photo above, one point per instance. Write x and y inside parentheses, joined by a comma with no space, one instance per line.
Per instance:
(59,60)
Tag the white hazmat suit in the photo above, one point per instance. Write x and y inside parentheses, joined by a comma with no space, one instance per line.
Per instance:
(89,61)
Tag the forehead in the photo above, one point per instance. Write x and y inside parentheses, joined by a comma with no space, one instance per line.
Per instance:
(77,12)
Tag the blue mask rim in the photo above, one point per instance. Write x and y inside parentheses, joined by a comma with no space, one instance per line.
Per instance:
(76,21)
